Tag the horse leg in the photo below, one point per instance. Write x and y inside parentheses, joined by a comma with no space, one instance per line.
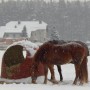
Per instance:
(34,80)
(45,73)
(34,71)
(60,72)
(77,71)
(51,67)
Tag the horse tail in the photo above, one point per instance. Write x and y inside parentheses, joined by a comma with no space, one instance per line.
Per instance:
(87,51)
(84,71)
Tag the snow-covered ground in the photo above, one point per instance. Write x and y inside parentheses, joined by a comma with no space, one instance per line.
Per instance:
(68,74)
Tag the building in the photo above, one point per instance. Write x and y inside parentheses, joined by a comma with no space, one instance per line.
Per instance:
(38,35)
(19,30)
(12,35)
(16,27)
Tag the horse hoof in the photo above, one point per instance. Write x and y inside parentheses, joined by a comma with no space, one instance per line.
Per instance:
(61,80)
(74,83)
(81,83)
(45,82)
(54,81)
(34,82)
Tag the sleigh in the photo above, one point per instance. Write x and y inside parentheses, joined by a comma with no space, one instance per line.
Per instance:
(17,61)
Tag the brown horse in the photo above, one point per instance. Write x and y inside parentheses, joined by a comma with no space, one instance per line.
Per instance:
(61,54)
(51,67)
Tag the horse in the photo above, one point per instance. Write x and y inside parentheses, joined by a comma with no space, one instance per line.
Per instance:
(71,52)
(51,67)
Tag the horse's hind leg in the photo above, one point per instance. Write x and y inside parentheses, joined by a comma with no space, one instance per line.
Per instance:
(51,67)
(60,72)
(77,71)
(45,73)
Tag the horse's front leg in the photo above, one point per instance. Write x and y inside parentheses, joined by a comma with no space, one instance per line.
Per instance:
(51,67)
(34,72)
(34,80)
(45,73)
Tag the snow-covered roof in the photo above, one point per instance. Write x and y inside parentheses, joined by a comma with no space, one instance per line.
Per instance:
(14,26)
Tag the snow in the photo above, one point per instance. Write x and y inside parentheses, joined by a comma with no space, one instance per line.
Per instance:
(30,26)
(68,74)
(25,43)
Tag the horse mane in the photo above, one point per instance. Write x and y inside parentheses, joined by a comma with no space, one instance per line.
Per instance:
(56,42)
(40,54)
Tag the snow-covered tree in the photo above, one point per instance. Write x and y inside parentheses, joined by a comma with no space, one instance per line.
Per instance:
(54,34)
(24,32)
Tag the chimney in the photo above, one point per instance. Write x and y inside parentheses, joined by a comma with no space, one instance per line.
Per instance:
(40,22)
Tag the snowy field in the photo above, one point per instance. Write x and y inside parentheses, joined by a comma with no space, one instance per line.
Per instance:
(68,74)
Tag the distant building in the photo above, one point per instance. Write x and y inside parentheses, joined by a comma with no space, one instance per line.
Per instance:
(15,31)
(12,35)
(38,35)
(23,29)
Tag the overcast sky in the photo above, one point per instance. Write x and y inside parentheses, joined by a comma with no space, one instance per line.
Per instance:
(53,0)
(67,0)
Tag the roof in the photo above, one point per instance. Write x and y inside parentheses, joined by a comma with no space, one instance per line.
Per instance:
(16,26)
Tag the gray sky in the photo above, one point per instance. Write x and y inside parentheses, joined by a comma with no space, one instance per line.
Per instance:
(53,0)
(66,0)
